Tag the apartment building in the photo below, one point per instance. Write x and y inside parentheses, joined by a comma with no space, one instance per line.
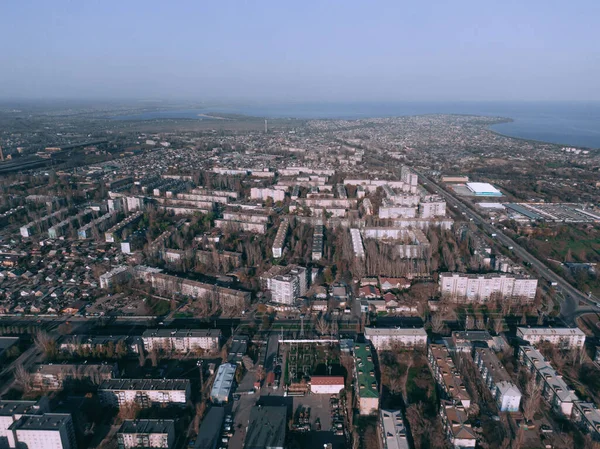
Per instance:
(248,226)
(58,376)
(476,287)
(182,340)
(144,392)
(357,243)
(146,433)
(392,430)
(365,382)
(497,379)
(446,375)
(554,389)
(317,243)
(386,339)
(286,284)
(587,417)
(279,242)
(11,411)
(262,194)
(47,431)
(563,337)
(454,420)
(115,276)
(431,207)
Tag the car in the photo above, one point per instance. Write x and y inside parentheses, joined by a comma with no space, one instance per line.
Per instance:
(236,397)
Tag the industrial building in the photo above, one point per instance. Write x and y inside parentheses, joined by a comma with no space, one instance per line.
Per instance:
(326,384)
(210,429)
(223,384)
(483,189)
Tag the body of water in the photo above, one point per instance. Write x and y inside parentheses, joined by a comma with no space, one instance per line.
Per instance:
(576,124)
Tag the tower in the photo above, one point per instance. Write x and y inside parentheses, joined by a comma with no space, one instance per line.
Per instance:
(1,154)
(266,127)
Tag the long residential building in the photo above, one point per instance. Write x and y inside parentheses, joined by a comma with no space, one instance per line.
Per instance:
(279,242)
(146,433)
(61,375)
(497,379)
(587,416)
(393,431)
(365,382)
(145,392)
(357,243)
(317,243)
(446,375)
(482,287)
(386,339)
(182,340)
(226,297)
(564,337)
(554,389)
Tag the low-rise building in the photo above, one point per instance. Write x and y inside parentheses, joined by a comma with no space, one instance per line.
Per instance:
(47,431)
(144,392)
(210,429)
(393,431)
(146,433)
(223,384)
(182,340)
(365,383)
(386,339)
(563,337)
(357,243)
(238,348)
(554,389)
(326,384)
(497,379)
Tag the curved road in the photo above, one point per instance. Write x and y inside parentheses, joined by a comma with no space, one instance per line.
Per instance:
(569,308)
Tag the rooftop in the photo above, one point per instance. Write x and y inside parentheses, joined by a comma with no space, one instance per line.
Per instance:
(365,371)
(145,384)
(147,426)
(267,427)
(47,421)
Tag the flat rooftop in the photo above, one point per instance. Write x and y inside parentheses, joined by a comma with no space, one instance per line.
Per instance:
(145,384)
(267,427)
(47,421)
(147,426)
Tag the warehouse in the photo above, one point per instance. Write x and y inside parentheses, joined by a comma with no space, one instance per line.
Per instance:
(483,189)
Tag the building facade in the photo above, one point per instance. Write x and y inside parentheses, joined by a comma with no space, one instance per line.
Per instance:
(146,433)
(182,340)
(386,339)
(145,392)
(564,337)
(474,287)
(497,379)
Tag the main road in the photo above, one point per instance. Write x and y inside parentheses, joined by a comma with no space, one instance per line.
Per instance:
(572,296)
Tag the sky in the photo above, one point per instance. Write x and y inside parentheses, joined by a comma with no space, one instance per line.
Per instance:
(327,50)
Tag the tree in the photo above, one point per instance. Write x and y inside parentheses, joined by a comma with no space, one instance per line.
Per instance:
(44,342)
(154,357)
(531,402)
(437,323)
(322,326)
(23,378)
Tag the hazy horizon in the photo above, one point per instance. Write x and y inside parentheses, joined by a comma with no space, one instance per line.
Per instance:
(277,52)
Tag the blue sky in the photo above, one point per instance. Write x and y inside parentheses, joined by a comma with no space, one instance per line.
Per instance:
(301,50)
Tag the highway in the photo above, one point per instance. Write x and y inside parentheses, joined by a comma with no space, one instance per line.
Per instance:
(569,307)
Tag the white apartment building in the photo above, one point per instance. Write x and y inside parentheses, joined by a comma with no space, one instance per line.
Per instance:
(115,276)
(357,243)
(393,431)
(555,390)
(475,287)
(47,431)
(432,207)
(182,340)
(262,194)
(11,411)
(144,392)
(563,337)
(385,339)
(497,379)
(286,284)
(146,433)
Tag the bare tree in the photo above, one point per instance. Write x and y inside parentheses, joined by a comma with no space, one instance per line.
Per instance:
(154,357)
(46,343)
(322,326)
(469,322)
(437,323)
(533,394)
(498,325)
(23,378)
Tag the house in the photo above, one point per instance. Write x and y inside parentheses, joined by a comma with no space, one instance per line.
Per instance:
(369,292)
(393,283)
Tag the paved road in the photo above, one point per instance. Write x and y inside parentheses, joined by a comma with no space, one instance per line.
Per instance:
(570,307)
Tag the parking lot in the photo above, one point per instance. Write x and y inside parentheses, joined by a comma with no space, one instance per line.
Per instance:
(319,407)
